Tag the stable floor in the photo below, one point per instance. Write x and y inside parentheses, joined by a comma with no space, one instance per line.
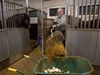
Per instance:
(27,65)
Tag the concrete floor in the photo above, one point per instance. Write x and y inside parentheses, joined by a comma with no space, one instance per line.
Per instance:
(27,66)
(24,65)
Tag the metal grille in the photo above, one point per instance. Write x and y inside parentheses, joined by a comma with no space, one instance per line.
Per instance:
(83,14)
(8,10)
(1,22)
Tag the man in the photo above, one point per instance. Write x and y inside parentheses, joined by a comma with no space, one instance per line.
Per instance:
(61,21)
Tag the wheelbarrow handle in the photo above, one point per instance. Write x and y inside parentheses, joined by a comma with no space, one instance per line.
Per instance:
(26,56)
(15,70)
(12,69)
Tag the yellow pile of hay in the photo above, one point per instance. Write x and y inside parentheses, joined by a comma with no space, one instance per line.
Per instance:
(56,50)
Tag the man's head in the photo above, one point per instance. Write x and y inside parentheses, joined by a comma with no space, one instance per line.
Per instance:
(60,12)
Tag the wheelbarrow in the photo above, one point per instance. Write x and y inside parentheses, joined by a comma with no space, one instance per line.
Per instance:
(75,65)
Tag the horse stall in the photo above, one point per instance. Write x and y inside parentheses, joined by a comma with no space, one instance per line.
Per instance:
(35,23)
(83,30)
(14,32)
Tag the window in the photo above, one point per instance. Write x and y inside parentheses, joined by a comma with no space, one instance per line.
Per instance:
(52,12)
(33,13)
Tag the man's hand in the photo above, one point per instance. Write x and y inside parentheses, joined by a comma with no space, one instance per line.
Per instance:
(54,26)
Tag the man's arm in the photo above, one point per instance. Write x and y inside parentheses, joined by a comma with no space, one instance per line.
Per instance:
(62,22)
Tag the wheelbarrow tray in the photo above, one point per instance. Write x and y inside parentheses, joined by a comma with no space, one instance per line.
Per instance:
(74,64)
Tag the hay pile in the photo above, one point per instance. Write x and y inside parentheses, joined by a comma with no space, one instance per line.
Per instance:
(56,50)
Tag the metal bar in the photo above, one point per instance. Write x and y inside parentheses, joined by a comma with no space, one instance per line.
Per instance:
(86,15)
(70,18)
(10,15)
(67,8)
(89,23)
(14,13)
(3,14)
(74,7)
(27,7)
(14,16)
(42,26)
(66,44)
(6,13)
(75,13)
(94,13)
(81,15)
(98,22)
(78,15)
(27,10)
(69,15)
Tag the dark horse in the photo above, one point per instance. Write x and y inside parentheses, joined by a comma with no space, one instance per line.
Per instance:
(18,20)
